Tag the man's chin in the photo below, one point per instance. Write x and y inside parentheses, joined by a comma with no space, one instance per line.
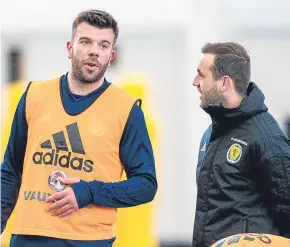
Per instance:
(91,77)
(202,104)
(89,80)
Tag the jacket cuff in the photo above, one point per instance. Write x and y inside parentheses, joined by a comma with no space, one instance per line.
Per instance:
(82,193)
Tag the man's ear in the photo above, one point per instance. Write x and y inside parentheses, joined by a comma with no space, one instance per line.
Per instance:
(225,83)
(69,49)
(113,54)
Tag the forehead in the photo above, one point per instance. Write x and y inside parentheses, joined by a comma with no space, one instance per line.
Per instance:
(206,61)
(86,30)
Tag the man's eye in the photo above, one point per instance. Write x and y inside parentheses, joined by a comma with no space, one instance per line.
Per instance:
(85,42)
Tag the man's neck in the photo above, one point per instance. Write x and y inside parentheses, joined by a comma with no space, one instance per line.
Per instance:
(80,88)
(233,101)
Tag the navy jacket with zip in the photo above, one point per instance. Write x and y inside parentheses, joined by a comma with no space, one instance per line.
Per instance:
(243,173)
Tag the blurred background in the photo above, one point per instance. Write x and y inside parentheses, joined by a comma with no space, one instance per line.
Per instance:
(157,54)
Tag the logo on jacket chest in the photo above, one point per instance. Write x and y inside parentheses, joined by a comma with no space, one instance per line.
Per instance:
(234,153)
(73,159)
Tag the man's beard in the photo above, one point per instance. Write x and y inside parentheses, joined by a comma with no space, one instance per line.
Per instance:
(212,98)
(87,78)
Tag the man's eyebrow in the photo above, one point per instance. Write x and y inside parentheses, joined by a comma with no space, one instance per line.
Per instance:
(87,38)
(84,37)
(105,41)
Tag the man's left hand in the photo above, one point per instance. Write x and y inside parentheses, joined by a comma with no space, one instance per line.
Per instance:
(64,203)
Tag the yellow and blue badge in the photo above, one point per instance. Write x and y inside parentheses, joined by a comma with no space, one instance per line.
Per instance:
(234,153)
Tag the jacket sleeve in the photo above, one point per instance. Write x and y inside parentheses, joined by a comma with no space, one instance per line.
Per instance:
(136,155)
(275,171)
(12,165)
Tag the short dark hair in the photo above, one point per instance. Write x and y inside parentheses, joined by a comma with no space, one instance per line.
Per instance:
(96,18)
(232,60)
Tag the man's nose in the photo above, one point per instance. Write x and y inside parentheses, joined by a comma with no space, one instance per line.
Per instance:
(195,82)
(94,50)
